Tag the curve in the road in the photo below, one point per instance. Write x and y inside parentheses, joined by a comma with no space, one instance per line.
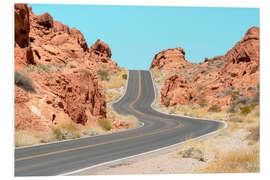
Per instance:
(159,130)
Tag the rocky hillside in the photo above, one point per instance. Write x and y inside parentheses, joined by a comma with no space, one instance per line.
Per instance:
(222,83)
(57,76)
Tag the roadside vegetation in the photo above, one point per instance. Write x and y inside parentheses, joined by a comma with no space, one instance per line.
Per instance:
(113,83)
(23,80)
(49,68)
(232,150)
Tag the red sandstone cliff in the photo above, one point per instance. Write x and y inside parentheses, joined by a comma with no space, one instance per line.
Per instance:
(57,62)
(217,80)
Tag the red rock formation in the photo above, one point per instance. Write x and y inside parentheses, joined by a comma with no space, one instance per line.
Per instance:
(64,73)
(101,48)
(59,27)
(169,58)
(45,20)
(79,95)
(23,52)
(211,82)
(80,38)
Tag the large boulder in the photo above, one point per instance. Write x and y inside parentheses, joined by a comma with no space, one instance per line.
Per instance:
(80,38)
(247,49)
(101,48)
(22,26)
(59,27)
(23,54)
(45,20)
(169,58)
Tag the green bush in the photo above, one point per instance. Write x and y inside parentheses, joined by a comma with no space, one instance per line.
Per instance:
(23,81)
(232,108)
(103,75)
(245,110)
(214,108)
(168,102)
(234,94)
(105,124)
(124,76)
(66,132)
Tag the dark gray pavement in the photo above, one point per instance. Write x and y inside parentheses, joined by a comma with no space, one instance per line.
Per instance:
(159,130)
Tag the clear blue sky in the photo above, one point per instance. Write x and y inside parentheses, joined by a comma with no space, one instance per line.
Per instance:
(136,33)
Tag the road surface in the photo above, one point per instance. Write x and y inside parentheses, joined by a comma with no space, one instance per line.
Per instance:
(159,130)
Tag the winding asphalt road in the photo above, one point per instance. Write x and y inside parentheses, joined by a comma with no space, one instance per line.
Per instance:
(159,130)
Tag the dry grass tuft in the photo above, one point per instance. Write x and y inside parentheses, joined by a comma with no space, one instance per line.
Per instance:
(193,149)
(115,80)
(25,138)
(105,124)
(122,118)
(236,162)
(110,97)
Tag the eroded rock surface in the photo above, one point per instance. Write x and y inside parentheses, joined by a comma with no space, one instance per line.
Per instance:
(216,81)
(63,71)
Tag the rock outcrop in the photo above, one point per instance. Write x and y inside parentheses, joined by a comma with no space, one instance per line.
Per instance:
(23,51)
(169,58)
(216,80)
(45,20)
(63,70)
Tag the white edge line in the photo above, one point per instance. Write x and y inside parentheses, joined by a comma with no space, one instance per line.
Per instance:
(141,124)
(148,152)
(225,124)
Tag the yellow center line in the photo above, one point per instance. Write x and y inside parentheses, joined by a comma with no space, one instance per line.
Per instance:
(113,141)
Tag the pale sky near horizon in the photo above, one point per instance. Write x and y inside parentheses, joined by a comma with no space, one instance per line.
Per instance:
(136,33)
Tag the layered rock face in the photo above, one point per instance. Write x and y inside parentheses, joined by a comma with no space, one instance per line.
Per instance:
(22,49)
(63,71)
(214,81)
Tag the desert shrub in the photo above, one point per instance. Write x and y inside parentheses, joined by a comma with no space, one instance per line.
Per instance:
(241,161)
(25,138)
(202,102)
(214,108)
(232,108)
(219,94)
(244,100)
(52,67)
(105,124)
(236,119)
(124,76)
(85,72)
(254,134)
(193,149)
(258,86)
(200,87)
(234,94)
(23,81)
(256,99)
(168,102)
(246,110)
(103,75)
(66,132)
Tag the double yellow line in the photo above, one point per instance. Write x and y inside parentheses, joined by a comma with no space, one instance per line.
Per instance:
(113,141)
